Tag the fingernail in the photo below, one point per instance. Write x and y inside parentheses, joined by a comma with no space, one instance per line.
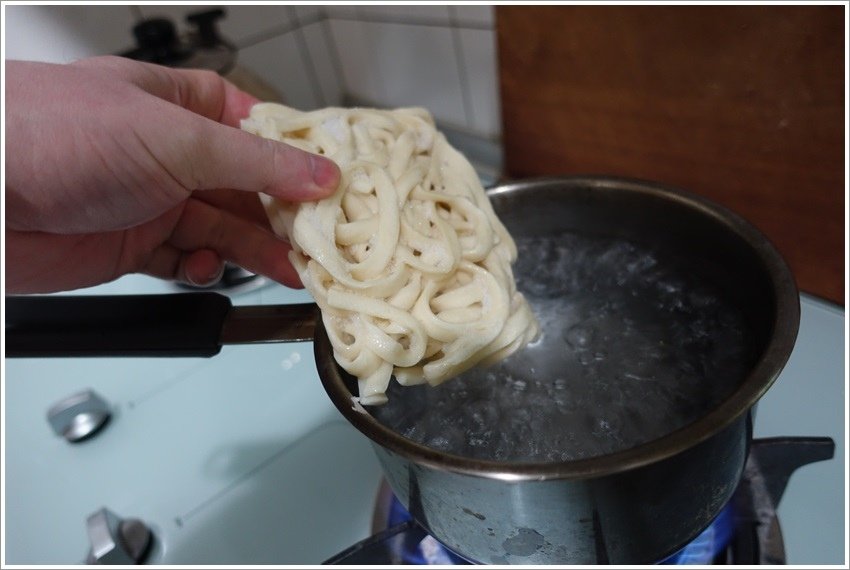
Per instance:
(216,277)
(211,279)
(324,171)
(244,103)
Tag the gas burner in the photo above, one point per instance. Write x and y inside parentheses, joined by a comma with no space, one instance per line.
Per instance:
(410,548)
(758,538)
(706,547)
(234,281)
(746,531)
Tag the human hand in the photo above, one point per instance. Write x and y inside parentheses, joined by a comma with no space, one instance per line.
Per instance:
(115,166)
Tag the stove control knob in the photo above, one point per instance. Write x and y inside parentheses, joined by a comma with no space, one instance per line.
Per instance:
(79,416)
(117,541)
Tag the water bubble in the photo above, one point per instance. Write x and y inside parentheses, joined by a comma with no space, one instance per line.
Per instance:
(579,336)
(633,347)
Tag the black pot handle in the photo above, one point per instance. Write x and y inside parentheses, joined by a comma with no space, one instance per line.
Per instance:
(183,324)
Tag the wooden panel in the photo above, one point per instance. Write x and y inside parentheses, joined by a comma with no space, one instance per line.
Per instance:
(742,104)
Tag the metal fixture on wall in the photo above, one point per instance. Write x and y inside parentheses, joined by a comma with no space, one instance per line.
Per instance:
(201,47)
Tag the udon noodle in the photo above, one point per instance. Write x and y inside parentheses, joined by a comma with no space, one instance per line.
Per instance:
(407,261)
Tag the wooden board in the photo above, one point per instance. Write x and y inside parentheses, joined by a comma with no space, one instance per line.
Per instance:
(742,104)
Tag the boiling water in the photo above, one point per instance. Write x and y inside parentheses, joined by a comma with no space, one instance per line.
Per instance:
(633,347)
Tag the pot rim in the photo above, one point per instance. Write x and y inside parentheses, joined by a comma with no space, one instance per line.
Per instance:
(771,362)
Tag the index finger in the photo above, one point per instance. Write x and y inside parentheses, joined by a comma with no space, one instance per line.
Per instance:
(206,152)
(203,92)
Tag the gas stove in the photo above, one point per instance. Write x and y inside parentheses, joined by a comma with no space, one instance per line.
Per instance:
(745,532)
(242,459)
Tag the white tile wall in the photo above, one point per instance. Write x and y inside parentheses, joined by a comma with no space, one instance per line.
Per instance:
(279,61)
(478,49)
(360,76)
(482,16)
(308,14)
(349,11)
(317,36)
(443,58)
(419,68)
(438,15)
(59,34)
(241,24)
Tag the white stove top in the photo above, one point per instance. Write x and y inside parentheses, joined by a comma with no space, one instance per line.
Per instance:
(236,459)
(242,459)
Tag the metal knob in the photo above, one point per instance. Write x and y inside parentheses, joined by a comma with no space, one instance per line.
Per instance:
(79,416)
(117,541)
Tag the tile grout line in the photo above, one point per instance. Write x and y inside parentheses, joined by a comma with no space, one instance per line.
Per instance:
(460,61)
(136,12)
(455,25)
(379,75)
(307,58)
(334,52)
(373,19)
(272,33)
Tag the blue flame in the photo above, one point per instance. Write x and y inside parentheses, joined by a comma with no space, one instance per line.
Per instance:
(704,548)
(429,551)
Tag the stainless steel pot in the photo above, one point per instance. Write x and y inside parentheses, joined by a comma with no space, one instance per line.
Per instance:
(629,507)
(635,506)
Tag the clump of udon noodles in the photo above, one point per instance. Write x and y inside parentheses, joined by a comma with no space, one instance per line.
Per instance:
(407,261)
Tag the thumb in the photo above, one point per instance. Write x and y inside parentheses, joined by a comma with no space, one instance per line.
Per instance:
(226,157)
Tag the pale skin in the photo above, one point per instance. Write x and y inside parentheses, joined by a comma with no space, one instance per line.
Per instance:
(117,167)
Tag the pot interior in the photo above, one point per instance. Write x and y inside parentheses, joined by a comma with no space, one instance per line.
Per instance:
(655,309)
